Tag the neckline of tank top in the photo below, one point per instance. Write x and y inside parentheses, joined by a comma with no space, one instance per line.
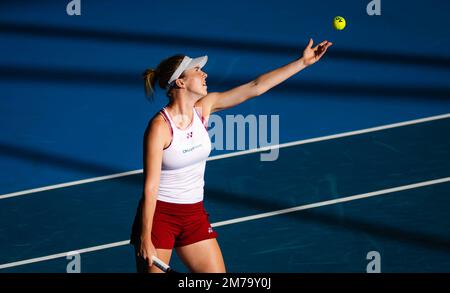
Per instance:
(173,122)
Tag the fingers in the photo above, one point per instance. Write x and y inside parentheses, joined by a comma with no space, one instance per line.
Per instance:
(310,43)
(325,45)
(321,45)
(147,259)
(325,49)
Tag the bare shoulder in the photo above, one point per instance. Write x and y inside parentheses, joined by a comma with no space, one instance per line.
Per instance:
(157,122)
(158,129)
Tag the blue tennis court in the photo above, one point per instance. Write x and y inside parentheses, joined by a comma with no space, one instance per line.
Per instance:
(364,150)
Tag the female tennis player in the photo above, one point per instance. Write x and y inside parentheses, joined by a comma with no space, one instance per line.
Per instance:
(176,146)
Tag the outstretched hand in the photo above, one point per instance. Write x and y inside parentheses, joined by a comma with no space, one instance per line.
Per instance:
(312,55)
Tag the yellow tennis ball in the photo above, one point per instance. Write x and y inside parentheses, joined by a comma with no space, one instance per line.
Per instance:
(339,23)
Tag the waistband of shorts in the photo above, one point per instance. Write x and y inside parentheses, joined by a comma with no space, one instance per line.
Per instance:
(179,208)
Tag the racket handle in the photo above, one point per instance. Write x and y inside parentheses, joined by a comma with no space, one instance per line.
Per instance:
(160,264)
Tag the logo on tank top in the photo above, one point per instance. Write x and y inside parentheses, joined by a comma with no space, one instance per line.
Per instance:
(210,230)
(189,135)
(192,148)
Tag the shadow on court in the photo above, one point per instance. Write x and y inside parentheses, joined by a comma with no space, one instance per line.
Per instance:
(217,43)
(317,216)
(134,80)
(59,161)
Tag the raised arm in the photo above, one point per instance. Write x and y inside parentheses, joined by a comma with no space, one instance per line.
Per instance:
(217,101)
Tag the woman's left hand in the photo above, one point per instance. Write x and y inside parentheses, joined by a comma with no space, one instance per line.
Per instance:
(312,55)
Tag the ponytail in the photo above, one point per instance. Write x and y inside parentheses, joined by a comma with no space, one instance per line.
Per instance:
(150,77)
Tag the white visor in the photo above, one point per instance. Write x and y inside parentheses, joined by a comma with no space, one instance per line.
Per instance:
(186,64)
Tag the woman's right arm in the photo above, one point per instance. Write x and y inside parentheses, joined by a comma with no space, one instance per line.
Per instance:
(155,141)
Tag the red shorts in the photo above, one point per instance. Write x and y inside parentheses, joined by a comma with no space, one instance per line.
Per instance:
(177,225)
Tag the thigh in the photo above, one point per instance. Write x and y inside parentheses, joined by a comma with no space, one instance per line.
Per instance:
(202,257)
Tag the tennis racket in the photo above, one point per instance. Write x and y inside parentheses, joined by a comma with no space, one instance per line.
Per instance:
(162,266)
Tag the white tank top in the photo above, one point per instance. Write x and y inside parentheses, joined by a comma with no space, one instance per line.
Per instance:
(184,162)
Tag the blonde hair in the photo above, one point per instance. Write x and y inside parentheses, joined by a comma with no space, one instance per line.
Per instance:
(162,73)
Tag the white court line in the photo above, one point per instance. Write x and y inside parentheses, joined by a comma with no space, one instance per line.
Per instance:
(331,202)
(234,154)
(239,220)
(50,187)
(63,254)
